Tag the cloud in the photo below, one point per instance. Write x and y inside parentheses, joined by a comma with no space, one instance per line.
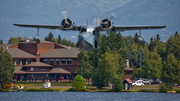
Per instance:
(164,30)
(73,37)
(164,35)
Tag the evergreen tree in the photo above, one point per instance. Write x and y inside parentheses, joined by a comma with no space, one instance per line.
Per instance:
(1,41)
(151,45)
(59,39)
(136,37)
(171,70)
(6,67)
(50,37)
(173,45)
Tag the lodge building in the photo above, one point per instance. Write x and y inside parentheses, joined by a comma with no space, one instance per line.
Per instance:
(43,61)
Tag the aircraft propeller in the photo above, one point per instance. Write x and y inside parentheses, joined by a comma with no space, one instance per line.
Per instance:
(106,23)
(64,13)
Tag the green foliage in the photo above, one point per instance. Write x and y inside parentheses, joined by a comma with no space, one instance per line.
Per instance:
(85,64)
(4,90)
(50,37)
(163,88)
(68,43)
(173,45)
(78,83)
(14,40)
(118,85)
(59,41)
(110,67)
(6,67)
(171,70)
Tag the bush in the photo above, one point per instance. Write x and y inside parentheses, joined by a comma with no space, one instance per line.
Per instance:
(163,88)
(4,90)
(177,90)
(118,85)
(78,83)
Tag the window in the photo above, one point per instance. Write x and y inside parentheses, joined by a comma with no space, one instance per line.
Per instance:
(51,62)
(63,61)
(83,30)
(69,61)
(45,60)
(17,61)
(23,61)
(57,61)
(28,61)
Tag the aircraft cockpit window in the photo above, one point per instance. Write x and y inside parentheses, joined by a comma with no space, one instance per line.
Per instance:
(83,30)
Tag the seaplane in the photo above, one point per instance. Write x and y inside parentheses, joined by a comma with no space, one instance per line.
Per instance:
(88,38)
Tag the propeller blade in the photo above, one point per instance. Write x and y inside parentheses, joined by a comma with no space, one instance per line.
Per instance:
(64,13)
(112,16)
(94,21)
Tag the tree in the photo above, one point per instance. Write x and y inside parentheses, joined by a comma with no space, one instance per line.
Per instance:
(85,64)
(151,45)
(6,67)
(173,45)
(14,40)
(109,68)
(136,38)
(59,39)
(1,41)
(118,85)
(50,37)
(152,64)
(78,83)
(171,70)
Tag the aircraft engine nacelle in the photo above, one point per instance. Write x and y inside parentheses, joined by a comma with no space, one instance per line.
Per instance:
(106,24)
(67,23)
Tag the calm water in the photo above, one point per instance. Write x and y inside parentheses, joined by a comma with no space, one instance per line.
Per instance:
(87,96)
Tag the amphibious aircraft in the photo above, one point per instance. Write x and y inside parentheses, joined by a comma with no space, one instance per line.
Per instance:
(88,38)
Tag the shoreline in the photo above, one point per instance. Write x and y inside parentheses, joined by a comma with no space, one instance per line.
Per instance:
(87,90)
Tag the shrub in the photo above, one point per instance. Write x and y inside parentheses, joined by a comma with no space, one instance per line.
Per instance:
(163,88)
(118,86)
(78,83)
(4,90)
(177,90)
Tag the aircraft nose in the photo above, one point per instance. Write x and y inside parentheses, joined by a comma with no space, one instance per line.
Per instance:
(86,42)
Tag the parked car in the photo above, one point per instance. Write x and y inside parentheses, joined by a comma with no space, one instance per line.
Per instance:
(157,81)
(138,83)
(146,81)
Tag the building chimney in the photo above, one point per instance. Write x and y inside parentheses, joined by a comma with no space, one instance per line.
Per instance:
(37,57)
(127,63)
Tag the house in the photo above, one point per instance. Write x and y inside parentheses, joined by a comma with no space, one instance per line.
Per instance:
(43,61)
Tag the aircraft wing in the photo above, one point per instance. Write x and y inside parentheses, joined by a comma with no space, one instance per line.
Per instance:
(123,28)
(76,28)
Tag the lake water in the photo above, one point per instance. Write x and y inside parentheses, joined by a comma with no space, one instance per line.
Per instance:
(87,96)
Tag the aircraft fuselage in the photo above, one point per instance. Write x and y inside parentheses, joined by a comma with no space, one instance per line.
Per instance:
(88,38)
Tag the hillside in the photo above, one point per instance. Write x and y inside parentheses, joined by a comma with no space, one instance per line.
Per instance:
(128,12)
(149,12)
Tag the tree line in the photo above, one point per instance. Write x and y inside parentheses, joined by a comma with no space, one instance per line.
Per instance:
(49,37)
(159,60)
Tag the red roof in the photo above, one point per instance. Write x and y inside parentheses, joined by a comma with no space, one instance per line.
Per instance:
(129,81)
